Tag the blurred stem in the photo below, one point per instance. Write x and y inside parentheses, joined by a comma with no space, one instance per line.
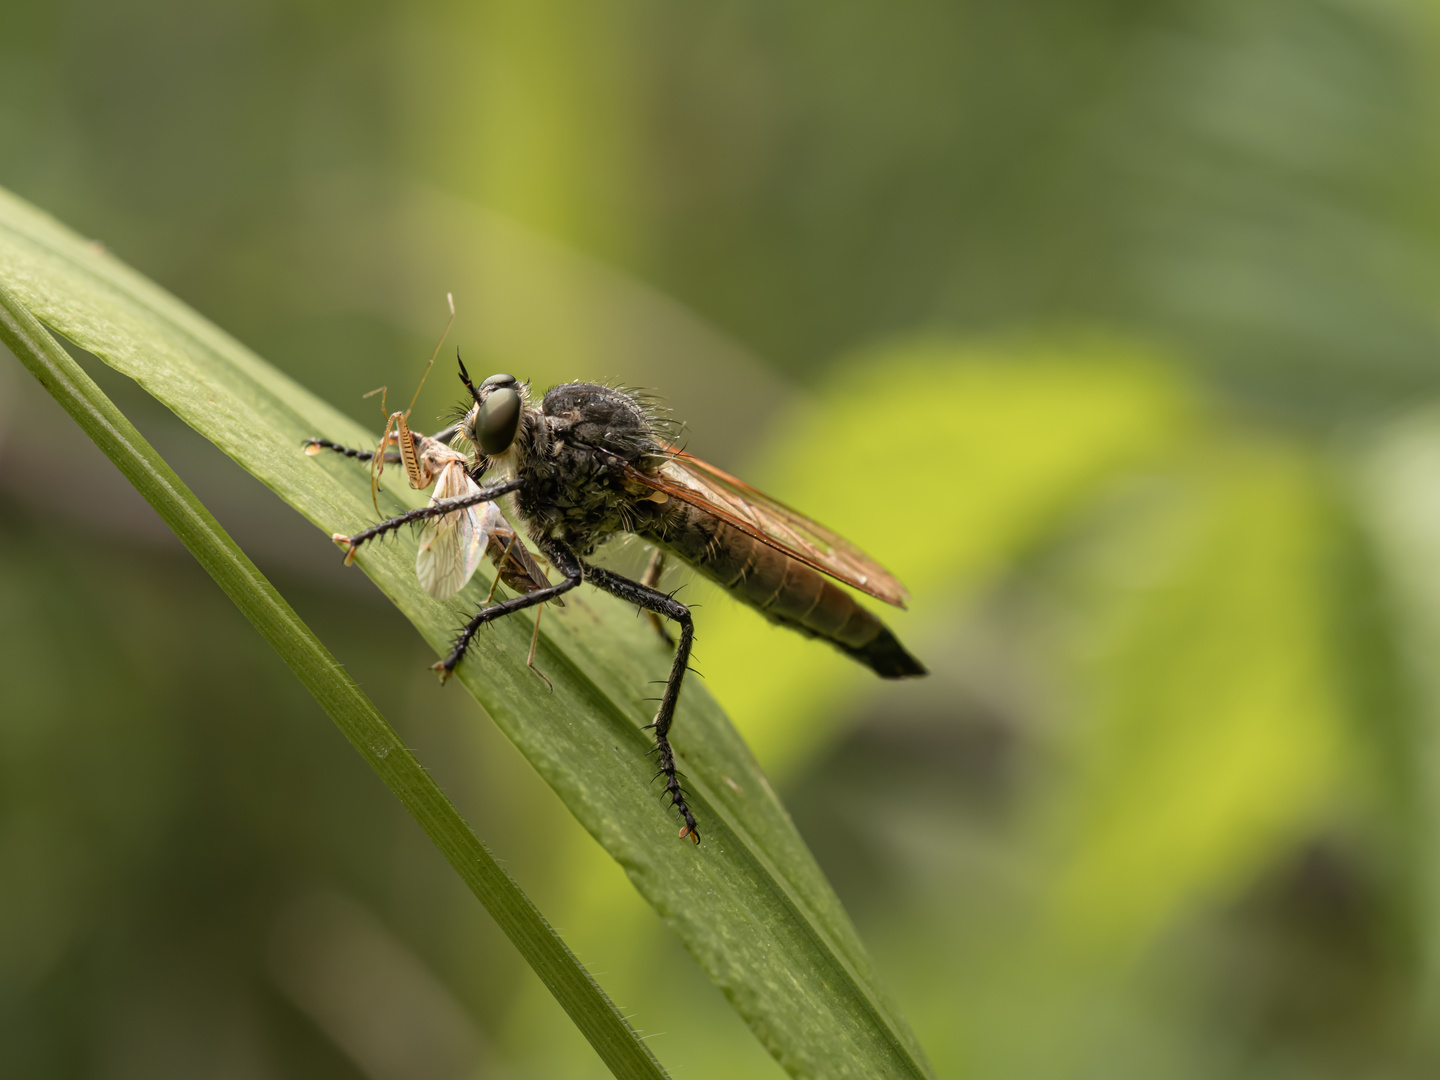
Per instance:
(353,713)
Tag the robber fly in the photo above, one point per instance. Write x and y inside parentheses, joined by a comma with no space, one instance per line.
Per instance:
(588,462)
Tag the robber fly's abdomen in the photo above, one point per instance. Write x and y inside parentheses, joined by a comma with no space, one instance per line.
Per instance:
(785,590)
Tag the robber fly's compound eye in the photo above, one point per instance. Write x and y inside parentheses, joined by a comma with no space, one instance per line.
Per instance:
(499,420)
(498,380)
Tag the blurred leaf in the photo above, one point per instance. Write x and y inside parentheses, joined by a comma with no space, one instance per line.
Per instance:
(1207,733)
(750,905)
(1396,484)
(958,459)
(610,926)
(512,284)
(1212,725)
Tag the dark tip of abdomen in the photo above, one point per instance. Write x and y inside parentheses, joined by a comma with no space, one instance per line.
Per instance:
(885,656)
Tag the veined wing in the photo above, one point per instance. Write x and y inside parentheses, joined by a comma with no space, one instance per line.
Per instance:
(772,522)
(451,546)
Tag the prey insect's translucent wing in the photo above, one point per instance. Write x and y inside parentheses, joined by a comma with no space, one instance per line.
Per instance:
(451,546)
(770,521)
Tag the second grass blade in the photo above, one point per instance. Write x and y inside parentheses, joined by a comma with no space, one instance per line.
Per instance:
(596,1017)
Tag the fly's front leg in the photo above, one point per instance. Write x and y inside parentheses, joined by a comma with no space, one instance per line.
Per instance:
(439,508)
(314,446)
(650,579)
(563,560)
(653,600)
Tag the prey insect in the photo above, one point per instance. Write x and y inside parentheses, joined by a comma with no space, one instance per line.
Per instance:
(451,544)
(587,462)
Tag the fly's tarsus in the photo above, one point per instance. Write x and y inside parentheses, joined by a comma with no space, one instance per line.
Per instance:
(348,545)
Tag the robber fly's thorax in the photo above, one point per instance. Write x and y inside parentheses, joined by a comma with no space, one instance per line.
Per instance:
(574,451)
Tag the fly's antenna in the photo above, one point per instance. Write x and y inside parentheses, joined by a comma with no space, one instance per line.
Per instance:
(465,378)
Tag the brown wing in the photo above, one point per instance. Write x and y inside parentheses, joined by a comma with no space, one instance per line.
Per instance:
(715,491)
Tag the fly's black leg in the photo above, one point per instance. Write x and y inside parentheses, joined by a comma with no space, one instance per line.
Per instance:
(651,578)
(314,446)
(652,600)
(561,558)
(438,508)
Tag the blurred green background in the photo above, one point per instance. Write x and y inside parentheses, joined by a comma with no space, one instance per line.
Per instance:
(1111,327)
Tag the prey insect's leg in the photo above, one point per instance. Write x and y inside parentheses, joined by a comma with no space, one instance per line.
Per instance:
(500,565)
(534,641)
(535,637)
(436,509)
(653,569)
(562,559)
(653,600)
(493,586)
(650,579)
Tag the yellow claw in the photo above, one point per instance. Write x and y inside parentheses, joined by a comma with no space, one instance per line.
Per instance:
(442,669)
(344,541)
(312,449)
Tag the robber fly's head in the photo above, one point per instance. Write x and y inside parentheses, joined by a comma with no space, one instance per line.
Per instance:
(494,421)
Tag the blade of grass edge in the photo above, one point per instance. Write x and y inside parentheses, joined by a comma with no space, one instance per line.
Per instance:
(352,712)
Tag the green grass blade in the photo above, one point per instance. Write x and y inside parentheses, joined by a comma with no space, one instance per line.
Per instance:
(751,905)
(354,714)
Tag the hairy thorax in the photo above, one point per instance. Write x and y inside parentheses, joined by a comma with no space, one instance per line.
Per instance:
(574,451)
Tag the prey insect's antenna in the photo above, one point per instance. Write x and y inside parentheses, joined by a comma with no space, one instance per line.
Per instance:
(449,299)
(398,422)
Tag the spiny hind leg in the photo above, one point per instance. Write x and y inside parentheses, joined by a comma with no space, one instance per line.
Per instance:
(653,600)
(651,579)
